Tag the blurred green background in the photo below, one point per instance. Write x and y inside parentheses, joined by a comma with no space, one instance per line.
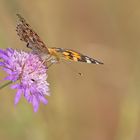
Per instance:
(104,103)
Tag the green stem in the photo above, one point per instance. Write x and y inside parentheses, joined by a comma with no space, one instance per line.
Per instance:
(6,84)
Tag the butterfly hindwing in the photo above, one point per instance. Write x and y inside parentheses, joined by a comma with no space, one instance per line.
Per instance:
(26,34)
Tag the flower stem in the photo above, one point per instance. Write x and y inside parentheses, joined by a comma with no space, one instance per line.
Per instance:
(6,84)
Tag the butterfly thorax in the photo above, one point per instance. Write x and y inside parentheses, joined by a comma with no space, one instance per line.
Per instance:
(55,55)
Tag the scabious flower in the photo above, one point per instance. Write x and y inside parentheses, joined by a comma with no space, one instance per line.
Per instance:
(28,73)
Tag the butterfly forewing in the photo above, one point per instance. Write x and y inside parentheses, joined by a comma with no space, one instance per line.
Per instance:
(72,55)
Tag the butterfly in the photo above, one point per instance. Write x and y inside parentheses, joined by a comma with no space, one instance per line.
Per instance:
(52,55)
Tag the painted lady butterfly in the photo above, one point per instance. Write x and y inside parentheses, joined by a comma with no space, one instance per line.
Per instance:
(52,55)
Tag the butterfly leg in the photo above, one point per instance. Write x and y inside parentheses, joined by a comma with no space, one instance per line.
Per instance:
(50,65)
(51,61)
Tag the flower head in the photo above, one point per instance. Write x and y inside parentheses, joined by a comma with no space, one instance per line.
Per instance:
(29,73)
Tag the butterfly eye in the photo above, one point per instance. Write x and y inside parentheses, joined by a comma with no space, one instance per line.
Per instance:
(28,45)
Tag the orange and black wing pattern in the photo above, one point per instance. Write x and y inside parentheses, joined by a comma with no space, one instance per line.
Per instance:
(72,55)
(28,35)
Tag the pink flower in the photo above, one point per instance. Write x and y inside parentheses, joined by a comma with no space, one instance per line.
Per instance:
(29,73)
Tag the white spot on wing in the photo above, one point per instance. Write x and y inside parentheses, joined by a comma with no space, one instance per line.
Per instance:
(97,62)
(88,61)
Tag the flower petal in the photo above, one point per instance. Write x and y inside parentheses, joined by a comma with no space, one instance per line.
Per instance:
(35,104)
(1,64)
(18,96)
(43,99)
(16,86)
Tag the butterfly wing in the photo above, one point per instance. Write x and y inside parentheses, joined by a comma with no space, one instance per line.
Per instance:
(29,36)
(71,55)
